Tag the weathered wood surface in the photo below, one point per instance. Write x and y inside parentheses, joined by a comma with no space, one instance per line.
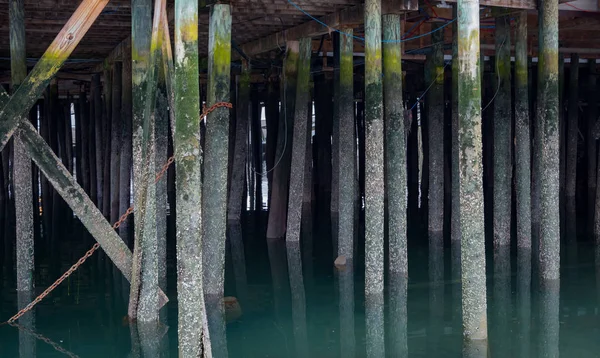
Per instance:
(474,301)
(81,204)
(192,324)
(214,186)
(547,114)
(38,79)
(22,164)
(396,182)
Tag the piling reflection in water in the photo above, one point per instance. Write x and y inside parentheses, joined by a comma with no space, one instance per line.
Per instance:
(27,343)
(397,316)
(345,277)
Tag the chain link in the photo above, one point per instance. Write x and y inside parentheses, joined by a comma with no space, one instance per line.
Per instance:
(116,225)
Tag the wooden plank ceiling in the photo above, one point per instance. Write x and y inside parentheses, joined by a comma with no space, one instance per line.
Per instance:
(252,20)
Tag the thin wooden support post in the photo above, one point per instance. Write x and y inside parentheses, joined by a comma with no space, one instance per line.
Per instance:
(78,145)
(435,132)
(547,115)
(471,170)
(502,136)
(192,330)
(592,143)
(236,193)
(257,148)
(301,120)
(281,167)
(115,141)
(395,145)
(22,163)
(96,104)
(347,141)
(272,123)
(106,135)
(34,84)
(146,49)
(572,143)
(214,198)
(126,145)
(84,137)
(374,180)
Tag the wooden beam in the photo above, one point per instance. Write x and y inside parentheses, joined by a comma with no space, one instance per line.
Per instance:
(351,16)
(32,87)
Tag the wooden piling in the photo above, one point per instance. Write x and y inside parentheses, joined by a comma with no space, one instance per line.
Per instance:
(301,120)
(272,122)
(146,46)
(547,115)
(236,193)
(107,136)
(572,139)
(214,196)
(126,144)
(192,330)
(395,145)
(374,179)
(335,139)
(435,132)
(256,168)
(471,170)
(502,135)
(22,163)
(347,140)
(283,152)
(115,142)
(98,138)
(83,157)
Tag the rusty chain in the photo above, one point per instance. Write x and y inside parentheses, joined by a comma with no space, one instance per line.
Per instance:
(44,339)
(90,252)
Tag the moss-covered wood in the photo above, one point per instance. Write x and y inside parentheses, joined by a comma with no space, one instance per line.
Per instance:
(547,115)
(214,187)
(22,180)
(502,135)
(283,152)
(17,108)
(145,263)
(301,120)
(347,141)
(236,193)
(192,330)
(396,184)
(374,178)
(471,171)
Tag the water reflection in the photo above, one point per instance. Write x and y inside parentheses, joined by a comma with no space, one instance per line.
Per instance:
(549,325)
(346,309)
(27,342)
(398,319)
(500,309)
(435,329)
(239,261)
(147,340)
(523,302)
(374,324)
(298,298)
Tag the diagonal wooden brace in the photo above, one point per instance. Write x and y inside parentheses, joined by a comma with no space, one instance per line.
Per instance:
(16,109)
(75,196)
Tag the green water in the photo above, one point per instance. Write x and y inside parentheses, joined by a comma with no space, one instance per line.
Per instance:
(85,314)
